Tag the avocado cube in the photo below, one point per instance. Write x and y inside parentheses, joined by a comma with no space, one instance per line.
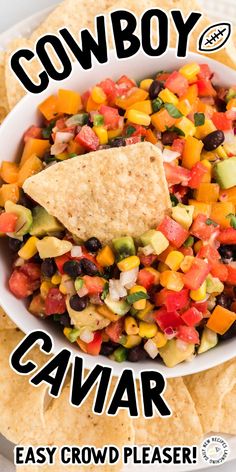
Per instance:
(172,356)
(120,307)
(183,214)
(209,340)
(43,223)
(124,247)
(156,239)
(24,218)
(225,173)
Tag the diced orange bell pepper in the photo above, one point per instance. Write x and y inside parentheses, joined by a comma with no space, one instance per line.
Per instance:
(231,104)
(137,96)
(9,172)
(192,152)
(200,208)
(49,107)
(9,192)
(207,193)
(32,166)
(91,105)
(150,137)
(75,148)
(162,257)
(162,120)
(69,102)
(206,178)
(144,105)
(221,319)
(219,212)
(34,146)
(228,195)
(191,95)
(184,107)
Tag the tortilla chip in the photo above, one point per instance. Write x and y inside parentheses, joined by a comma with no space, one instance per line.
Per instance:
(107,194)
(182,428)
(208,390)
(21,404)
(5,321)
(227,421)
(3,93)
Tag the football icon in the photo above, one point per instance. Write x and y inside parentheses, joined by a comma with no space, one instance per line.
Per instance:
(214,37)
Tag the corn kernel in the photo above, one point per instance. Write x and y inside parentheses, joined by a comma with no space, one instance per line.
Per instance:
(105,257)
(98,95)
(104,311)
(66,332)
(168,97)
(162,267)
(140,304)
(63,289)
(138,117)
(221,153)
(174,260)
(56,279)
(29,249)
(186,126)
(44,288)
(145,314)
(186,263)
(147,330)
(131,325)
(101,134)
(159,339)
(145,84)
(63,156)
(172,280)
(132,340)
(200,294)
(189,71)
(114,133)
(155,273)
(197,246)
(128,263)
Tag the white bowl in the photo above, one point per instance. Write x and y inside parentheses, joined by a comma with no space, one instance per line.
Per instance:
(25,114)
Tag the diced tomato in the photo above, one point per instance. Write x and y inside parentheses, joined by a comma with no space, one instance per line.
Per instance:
(188,334)
(167,319)
(186,251)
(20,284)
(177,83)
(110,115)
(126,83)
(172,300)
(192,316)
(114,330)
(227,236)
(221,121)
(220,271)
(200,306)
(61,124)
(147,260)
(133,140)
(197,173)
(146,279)
(31,269)
(94,285)
(205,88)
(139,130)
(37,306)
(8,222)
(87,138)
(94,347)
(201,229)
(33,132)
(55,302)
(231,278)
(84,97)
(198,272)
(205,72)
(178,145)
(176,174)
(162,76)
(60,261)
(173,231)
(109,87)
(210,253)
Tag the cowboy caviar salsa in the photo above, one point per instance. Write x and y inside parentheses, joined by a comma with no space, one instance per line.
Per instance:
(172,293)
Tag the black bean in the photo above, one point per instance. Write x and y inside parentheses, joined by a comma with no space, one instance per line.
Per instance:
(231,333)
(107,349)
(48,267)
(14,244)
(227,252)
(118,142)
(72,268)
(155,88)
(88,267)
(93,244)
(136,354)
(26,201)
(224,300)
(168,137)
(78,303)
(213,140)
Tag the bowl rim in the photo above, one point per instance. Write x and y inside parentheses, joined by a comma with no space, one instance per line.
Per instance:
(211,358)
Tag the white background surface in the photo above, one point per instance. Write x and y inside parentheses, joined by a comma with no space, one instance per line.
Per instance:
(13,11)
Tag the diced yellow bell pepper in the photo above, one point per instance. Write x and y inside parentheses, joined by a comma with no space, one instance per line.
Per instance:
(29,249)
(104,311)
(203,130)
(9,172)
(114,133)
(49,107)
(155,273)
(189,71)
(192,152)
(220,211)
(98,95)
(159,339)
(184,107)
(145,106)
(145,84)
(105,257)
(138,117)
(9,192)
(69,102)
(186,126)
(36,147)
(168,97)
(207,177)
(172,280)
(128,263)
(137,96)
(161,120)
(228,195)
(174,260)
(146,312)
(200,294)
(147,330)
(56,279)
(32,166)
(131,325)
(207,193)
(200,207)
(44,288)
(221,319)
(132,340)
(186,264)
(140,304)
(101,134)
